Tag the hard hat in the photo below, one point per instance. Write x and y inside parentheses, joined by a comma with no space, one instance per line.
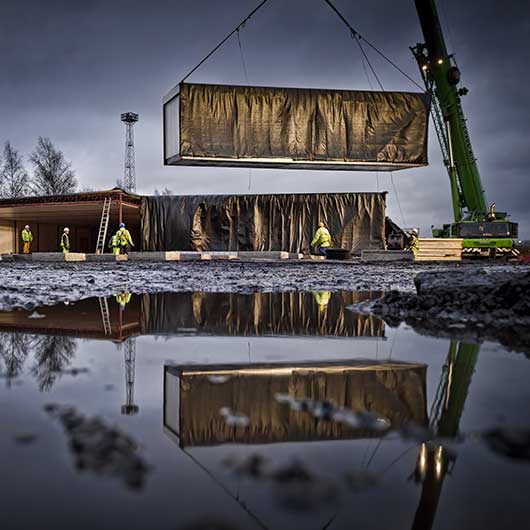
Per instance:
(122,225)
(321,224)
(26,227)
(66,229)
(415,231)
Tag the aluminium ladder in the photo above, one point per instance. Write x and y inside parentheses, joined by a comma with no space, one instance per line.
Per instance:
(103,225)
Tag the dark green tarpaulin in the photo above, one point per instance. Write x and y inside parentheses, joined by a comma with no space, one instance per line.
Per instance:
(285,222)
(298,128)
(290,314)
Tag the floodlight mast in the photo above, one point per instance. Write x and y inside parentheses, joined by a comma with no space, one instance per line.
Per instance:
(129,176)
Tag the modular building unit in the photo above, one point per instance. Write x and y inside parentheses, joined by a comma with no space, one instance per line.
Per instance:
(283,222)
(48,215)
(295,128)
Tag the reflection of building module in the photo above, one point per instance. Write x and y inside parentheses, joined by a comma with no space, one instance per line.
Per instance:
(224,314)
(194,395)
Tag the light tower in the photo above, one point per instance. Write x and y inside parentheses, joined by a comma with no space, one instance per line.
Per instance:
(129,176)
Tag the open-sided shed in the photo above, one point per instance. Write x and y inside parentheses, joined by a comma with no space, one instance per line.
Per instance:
(81,212)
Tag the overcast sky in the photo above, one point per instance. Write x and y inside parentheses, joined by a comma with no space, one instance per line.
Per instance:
(68,69)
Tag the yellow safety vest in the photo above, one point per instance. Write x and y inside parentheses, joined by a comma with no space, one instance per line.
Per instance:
(322,237)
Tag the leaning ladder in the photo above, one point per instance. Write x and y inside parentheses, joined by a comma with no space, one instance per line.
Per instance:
(105,316)
(103,226)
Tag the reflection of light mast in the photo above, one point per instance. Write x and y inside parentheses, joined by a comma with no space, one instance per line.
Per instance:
(130,361)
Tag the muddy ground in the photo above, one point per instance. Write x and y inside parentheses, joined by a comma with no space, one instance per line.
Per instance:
(33,284)
(473,304)
(468,301)
(30,285)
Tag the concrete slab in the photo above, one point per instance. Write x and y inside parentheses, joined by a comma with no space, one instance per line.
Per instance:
(147,256)
(194,256)
(223,255)
(23,257)
(386,255)
(100,257)
(48,256)
(258,255)
(74,256)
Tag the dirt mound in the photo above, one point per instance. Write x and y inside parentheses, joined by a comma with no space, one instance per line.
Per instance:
(473,304)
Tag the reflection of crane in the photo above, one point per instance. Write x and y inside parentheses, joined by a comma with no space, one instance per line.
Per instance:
(434,461)
(130,361)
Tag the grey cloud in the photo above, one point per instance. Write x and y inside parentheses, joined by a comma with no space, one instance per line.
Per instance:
(70,69)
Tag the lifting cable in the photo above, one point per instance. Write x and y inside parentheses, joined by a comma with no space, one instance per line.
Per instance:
(358,39)
(245,72)
(235,30)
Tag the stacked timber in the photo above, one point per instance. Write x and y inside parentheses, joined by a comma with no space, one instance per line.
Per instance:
(439,249)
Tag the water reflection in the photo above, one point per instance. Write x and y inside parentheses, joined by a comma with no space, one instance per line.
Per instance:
(192,400)
(260,314)
(241,426)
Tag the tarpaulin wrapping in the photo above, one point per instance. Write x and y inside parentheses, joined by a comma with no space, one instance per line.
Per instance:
(300,128)
(395,391)
(356,221)
(259,314)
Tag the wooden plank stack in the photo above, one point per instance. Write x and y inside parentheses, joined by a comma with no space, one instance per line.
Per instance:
(439,249)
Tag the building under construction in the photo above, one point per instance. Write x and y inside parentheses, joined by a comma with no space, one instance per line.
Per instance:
(284,222)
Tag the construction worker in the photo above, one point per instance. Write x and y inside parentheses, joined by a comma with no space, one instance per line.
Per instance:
(322,239)
(124,239)
(414,243)
(123,298)
(65,240)
(114,244)
(322,299)
(27,238)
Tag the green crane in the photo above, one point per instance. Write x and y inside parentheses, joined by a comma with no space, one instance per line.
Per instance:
(484,230)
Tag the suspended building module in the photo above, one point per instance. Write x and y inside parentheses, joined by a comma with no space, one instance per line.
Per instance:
(295,128)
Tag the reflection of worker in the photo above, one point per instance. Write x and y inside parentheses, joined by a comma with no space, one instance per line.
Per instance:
(322,299)
(65,240)
(123,298)
(322,239)
(27,238)
(115,244)
(414,243)
(124,239)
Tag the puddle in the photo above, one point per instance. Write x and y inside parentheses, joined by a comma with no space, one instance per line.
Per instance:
(266,410)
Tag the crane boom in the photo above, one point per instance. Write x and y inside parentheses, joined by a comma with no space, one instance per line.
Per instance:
(479,225)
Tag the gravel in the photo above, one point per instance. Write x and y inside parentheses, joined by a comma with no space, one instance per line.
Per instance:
(470,304)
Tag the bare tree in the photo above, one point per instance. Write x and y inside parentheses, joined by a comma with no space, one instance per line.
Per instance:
(52,175)
(165,192)
(14,179)
(14,349)
(53,355)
